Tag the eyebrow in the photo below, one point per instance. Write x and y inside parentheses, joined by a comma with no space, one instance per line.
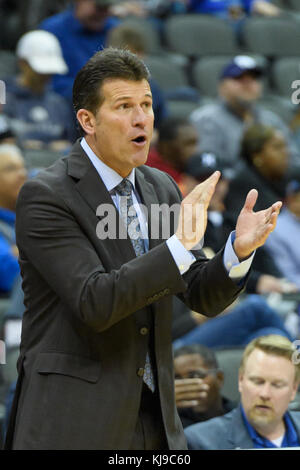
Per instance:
(147,95)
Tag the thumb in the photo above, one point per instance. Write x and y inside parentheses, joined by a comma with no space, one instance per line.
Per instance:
(250,200)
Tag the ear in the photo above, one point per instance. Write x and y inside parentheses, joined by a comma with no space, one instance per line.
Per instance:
(241,376)
(87,121)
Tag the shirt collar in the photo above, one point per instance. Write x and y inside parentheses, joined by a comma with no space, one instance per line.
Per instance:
(290,438)
(8,216)
(110,177)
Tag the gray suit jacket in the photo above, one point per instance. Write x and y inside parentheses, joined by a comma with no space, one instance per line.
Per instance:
(90,305)
(225,432)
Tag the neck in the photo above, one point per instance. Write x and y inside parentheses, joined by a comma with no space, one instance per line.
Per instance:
(271,431)
(242,109)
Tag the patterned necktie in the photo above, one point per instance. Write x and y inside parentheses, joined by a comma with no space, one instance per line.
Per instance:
(130,218)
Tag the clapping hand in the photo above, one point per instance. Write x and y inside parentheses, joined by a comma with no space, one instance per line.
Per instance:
(253,228)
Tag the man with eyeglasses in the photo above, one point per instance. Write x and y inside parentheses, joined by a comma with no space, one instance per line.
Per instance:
(198,383)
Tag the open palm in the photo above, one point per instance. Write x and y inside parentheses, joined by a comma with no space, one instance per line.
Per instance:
(253,228)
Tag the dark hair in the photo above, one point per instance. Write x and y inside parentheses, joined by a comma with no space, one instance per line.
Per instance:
(254,139)
(208,355)
(168,129)
(106,64)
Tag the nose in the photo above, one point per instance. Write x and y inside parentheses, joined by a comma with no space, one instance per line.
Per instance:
(265,391)
(139,117)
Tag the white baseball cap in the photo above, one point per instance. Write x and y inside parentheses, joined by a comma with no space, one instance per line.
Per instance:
(42,51)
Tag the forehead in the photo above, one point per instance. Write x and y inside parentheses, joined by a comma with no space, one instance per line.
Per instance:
(189,362)
(114,89)
(269,366)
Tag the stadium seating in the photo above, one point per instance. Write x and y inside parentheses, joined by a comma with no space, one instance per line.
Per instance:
(199,35)
(272,37)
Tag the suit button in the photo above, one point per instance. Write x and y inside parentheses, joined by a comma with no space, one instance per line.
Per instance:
(144,330)
(140,372)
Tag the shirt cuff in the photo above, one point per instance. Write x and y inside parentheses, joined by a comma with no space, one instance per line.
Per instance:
(182,257)
(235,269)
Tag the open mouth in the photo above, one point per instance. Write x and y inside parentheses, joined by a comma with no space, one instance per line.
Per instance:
(139,140)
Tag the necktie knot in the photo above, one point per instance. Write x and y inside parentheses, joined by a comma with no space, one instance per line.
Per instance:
(124,188)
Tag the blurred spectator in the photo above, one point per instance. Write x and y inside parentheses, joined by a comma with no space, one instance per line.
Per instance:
(221,125)
(81,30)
(283,243)
(12,177)
(234,9)
(239,324)
(129,37)
(268,382)
(264,157)
(38,116)
(177,142)
(6,134)
(264,276)
(197,169)
(198,383)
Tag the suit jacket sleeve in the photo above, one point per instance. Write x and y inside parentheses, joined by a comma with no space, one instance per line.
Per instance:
(49,235)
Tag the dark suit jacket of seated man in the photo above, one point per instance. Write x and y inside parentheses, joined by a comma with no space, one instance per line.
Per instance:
(94,309)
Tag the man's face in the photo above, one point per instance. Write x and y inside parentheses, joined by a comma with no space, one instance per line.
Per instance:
(12,177)
(91,16)
(193,366)
(124,124)
(182,147)
(274,156)
(186,142)
(267,386)
(242,90)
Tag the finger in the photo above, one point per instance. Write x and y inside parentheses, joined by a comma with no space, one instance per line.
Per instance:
(204,189)
(251,200)
(194,381)
(187,404)
(277,206)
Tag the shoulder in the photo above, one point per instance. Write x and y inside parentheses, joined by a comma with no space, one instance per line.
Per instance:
(209,111)
(211,434)
(49,181)
(162,182)
(56,23)
(269,117)
(295,416)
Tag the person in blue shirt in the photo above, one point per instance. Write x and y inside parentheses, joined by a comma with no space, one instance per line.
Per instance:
(81,30)
(268,381)
(233,8)
(12,177)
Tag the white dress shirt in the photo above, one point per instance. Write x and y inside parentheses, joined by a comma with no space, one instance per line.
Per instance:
(182,257)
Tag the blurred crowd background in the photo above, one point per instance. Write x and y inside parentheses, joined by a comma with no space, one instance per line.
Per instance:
(225,80)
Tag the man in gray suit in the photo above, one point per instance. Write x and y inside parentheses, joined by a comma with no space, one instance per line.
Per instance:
(268,381)
(95,366)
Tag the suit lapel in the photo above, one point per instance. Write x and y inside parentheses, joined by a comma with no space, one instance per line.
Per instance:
(239,437)
(93,190)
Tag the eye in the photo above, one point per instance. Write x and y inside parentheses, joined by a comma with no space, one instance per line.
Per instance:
(123,106)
